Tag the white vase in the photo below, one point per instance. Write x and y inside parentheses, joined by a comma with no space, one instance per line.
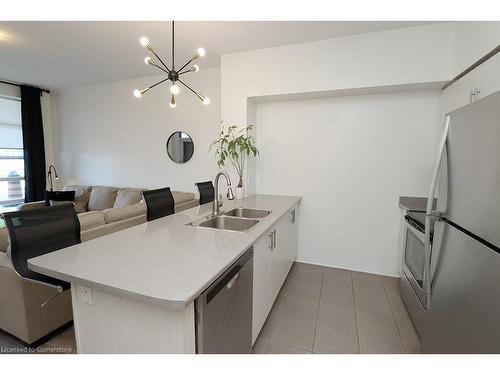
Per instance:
(238,193)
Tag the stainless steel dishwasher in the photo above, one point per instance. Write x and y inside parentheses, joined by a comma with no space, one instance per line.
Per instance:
(223,312)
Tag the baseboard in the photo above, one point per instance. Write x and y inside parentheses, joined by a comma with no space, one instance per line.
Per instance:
(391,273)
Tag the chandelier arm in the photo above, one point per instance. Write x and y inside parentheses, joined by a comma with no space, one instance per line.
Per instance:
(186,64)
(187,71)
(158,83)
(194,92)
(158,57)
(159,67)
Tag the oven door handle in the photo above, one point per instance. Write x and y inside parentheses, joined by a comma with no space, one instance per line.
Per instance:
(432,214)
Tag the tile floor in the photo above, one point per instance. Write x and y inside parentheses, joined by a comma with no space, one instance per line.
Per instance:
(318,310)
(331,310)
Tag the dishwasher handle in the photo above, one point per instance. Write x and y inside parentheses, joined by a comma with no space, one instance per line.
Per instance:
(230,278)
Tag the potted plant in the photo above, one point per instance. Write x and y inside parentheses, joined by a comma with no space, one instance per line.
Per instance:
(235,146)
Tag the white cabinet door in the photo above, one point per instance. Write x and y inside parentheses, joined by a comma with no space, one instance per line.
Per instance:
(261,281)
(292,231)
(285,250)
(277,259)
(274,254)
(488,77)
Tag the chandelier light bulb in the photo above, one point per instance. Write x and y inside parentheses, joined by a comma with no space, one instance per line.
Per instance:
(173,104)
(147,60)
(138,93)
(144,41)
(195,68)
(206,101)
(174,89)
(201,52)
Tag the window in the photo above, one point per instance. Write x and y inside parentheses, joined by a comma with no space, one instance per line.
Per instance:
(11,155)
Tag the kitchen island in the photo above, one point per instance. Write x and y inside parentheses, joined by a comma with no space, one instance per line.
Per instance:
(133,290)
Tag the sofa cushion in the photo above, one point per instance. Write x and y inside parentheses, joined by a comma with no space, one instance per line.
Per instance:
(182,197)
(102,197)
(81,197)
(103,230)
(112,215)
(127,197)
(91,219)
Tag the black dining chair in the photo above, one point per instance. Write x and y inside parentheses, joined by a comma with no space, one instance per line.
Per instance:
(159,203)
(38,232)
(207,191)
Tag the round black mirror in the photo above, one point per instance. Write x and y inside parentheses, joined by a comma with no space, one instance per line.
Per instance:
(180,147)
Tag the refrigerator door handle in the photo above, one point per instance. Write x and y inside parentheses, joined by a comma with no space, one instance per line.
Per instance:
(430,213)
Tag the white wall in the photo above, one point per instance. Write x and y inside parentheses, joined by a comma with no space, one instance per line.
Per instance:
(108,137)
(473,40)
(350,158)
(410,56)
(404,56)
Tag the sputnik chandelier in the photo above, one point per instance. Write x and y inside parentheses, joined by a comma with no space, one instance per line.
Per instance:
(173,74)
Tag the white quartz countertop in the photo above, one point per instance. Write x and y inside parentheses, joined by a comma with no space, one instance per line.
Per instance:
(163,262)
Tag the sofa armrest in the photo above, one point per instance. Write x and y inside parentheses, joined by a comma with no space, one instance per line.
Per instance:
(31,205)
(4,239)
(21,313)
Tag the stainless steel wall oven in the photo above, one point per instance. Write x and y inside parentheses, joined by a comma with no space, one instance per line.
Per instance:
(415,253)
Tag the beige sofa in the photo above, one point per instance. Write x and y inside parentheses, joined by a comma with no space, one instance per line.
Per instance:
(101,210)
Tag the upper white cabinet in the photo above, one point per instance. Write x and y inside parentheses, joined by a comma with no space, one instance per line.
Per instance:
(482,81)
(459,93)
(274,254)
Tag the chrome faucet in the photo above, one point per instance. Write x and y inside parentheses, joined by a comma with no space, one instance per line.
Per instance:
(218,203)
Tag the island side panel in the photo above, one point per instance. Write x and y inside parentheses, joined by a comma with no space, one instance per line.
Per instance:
(113,324)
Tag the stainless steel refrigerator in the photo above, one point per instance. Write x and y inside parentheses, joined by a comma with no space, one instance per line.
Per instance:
(462,267)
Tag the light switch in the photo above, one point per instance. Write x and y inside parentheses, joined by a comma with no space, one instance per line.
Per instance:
(86,295)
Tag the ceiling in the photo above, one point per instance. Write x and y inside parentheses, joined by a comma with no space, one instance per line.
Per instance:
(66,54)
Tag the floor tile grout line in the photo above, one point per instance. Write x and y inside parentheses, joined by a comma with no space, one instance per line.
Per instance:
(355,314)
(285,295)
(286,343)
(394,317)
(378,313)
(317,312)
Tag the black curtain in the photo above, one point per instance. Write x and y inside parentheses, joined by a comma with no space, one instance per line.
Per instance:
(33,144)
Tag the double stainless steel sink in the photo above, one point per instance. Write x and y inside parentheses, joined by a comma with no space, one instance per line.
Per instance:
(237,220)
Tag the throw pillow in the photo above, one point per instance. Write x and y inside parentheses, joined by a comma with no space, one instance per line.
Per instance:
(81,198)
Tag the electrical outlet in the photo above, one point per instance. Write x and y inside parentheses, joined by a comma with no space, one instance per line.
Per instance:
(86,295)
